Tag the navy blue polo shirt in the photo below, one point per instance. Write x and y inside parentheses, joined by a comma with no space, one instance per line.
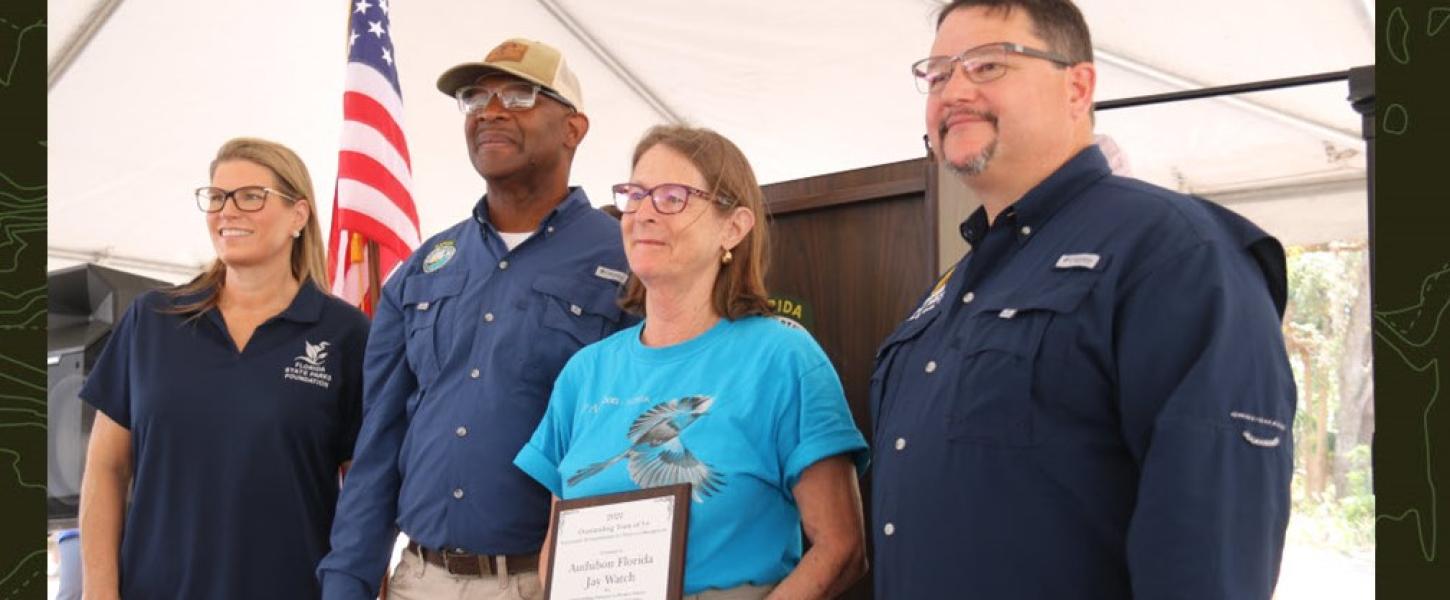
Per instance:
(1095,402)
(466,342)
(236,454)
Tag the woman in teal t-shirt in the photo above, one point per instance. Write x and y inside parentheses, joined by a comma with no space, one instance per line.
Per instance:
(710,390)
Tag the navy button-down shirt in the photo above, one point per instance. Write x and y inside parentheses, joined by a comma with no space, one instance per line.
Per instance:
(466,341)
(1095,402)
(235,454)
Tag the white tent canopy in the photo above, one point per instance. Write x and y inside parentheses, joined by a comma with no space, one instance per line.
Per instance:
(142,94)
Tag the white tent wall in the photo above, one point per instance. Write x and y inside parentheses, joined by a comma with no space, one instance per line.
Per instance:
(805,88)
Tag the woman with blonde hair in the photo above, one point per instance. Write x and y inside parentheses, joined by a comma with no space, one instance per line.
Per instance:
(226,405)
(710,390)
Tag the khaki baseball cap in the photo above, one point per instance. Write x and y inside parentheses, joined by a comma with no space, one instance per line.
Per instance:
(529,60)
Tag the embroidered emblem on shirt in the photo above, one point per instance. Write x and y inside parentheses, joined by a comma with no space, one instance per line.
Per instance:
(439,256)
(1077,261)
(789,322)
(656,455)
(311,365)
(604,272)
(939,290)
(1262,442)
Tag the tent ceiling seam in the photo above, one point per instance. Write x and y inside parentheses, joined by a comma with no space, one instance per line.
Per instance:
(1366,10)
(600,52)
(78,40)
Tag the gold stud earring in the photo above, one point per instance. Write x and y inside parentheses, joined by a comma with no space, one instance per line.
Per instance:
(727,257)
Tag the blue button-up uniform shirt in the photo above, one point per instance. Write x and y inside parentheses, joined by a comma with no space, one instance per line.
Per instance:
(1095,402)
(465,345)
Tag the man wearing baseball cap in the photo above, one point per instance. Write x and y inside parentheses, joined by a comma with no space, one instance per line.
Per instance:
(467,339)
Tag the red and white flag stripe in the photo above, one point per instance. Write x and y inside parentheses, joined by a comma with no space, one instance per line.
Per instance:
(373,201)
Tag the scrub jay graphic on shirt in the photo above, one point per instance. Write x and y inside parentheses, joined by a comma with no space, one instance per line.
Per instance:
(656,455)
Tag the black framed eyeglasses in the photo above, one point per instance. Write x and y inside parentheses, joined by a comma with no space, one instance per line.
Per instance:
(668,198)
(514,97)
(249,198)
(982,64)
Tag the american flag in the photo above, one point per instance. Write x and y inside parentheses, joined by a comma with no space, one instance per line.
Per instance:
(373,201)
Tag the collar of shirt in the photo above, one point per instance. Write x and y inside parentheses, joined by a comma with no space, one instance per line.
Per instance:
(306,306)
(566,211)
(1038,205)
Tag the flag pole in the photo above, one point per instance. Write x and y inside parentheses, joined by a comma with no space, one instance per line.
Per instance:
(375,278)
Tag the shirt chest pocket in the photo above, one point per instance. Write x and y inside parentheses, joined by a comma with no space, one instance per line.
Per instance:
(572,313)
(424,298)
(999,357)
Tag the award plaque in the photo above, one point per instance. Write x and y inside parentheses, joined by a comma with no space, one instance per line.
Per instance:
(625,546)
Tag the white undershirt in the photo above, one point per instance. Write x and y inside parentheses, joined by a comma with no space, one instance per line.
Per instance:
(512,240)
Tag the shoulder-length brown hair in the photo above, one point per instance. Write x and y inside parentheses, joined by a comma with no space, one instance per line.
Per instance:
(739,289)
(309,262)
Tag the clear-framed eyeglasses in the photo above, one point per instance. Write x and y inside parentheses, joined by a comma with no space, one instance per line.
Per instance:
(249,198)
(514,97)
(982,64)
(668,198)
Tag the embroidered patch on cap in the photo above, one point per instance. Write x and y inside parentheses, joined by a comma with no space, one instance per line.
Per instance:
(1077,261)
(604,272)
(439,256)
(507,52)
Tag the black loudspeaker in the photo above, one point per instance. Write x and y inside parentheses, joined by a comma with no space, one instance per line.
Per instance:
(86,301)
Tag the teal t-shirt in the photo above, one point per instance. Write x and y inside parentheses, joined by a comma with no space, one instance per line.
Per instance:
(739,412)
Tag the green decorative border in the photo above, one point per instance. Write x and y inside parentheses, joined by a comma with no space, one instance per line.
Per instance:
(22,300)
(1412,299)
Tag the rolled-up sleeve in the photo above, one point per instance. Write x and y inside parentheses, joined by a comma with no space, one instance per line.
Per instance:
(540,457)
(817,425)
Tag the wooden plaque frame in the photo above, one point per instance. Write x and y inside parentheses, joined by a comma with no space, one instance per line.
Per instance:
(679,529)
